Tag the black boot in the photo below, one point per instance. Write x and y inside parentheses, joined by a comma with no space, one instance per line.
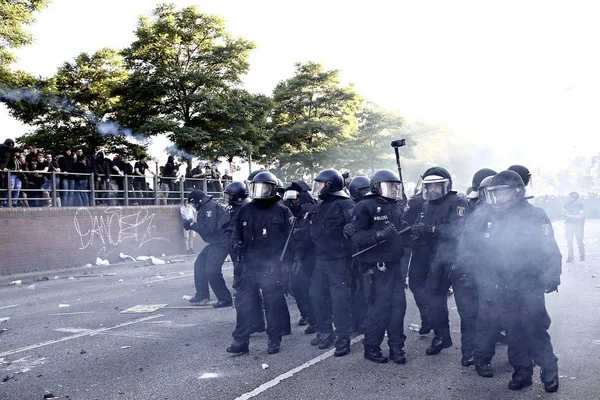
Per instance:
(425,329)
(550,380)
(437,345)
(374,354)
(310,329)
(315,341)
(273,346)
(342,346)
(484,369)
(467,360)
(303,321)
(326,340)
(521,378)
(238,347)
(398,355)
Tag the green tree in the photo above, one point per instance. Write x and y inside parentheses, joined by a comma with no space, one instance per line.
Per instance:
(312,115)
(14,16)
(184,66)
(371,149)
(76,107)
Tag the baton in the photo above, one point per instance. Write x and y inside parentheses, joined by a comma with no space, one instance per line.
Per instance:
(287,241)
(377,244)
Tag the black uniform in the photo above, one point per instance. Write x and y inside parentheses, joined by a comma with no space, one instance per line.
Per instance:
(527,259)
(384,283)
(207,268)
(434,255)
(474,243)
(261,229)
(330,289)
(417,274)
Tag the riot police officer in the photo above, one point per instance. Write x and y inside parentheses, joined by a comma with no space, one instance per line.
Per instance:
(437,231)
(261,228)
(378,219)
(528,263)
(478,177)
(236,195)
(332,275)
(207,268)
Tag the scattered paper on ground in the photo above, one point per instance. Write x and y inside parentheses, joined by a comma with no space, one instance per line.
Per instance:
(144,308)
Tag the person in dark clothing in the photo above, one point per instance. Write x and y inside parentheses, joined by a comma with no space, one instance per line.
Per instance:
(436,235)
(297,198)
(81,166)
(236,195)
(169,172)
(358,187)
(528,263)
(67,181)
(472,245)
(139,182)
(473,194)
(102,173)
(207,268)
(378,219)
(7,150)
(574,221)
(332,277)
(259,235)
(523,173)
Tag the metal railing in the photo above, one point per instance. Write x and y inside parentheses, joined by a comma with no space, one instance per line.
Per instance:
(62,189)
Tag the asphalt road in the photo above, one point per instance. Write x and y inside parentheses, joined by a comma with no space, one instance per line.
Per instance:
(92,350)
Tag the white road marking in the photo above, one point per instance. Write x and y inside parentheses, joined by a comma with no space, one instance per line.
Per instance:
(143,308)
(14,305)
(74,313)
(275,381)
(91,332)
(168,279)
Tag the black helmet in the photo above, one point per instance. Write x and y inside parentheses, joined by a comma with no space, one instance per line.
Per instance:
(477,179)
(254,173)
(386,183)
(573,196)
(482,189)
(9,142)
(236,192)
(523,173)
(263,186)
(197,197)
(359,186)
(505,190)
(329,182)
(280,188)
(436,183)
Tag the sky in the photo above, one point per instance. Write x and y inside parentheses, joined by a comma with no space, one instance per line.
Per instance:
(519,77)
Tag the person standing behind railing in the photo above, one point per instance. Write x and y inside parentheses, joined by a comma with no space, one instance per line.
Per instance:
(67,182)
(6,153)
(169,172)
(101,177)
(81,181)
(139,182)
(16,165)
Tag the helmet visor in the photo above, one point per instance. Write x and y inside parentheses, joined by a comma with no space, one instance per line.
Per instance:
(262,190)
(435,190)
(390,190)
(318,186)
(291,195)
(360,192)
(503,197)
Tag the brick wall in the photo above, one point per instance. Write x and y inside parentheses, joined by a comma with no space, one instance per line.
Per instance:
(38,239)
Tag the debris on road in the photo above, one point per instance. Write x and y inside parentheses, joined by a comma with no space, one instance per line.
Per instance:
(125,347)
(63,305)
(15,283)
(4,319)
(186,297)
(50,396)
(88,265)
(414,327)
(175,261)
(120,280)
(265,366)
(156,261)
(83,352)
(126,257)
(142,258)
(209,375)
(100,261)
(31,287)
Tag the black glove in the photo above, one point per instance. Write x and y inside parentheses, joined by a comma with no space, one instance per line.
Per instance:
(238,247)
(386,233)
(349,230)
(187,224)
(552,285)
(422,230)
(236,282)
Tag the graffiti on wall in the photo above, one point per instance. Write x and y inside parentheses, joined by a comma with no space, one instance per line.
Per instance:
(115,226)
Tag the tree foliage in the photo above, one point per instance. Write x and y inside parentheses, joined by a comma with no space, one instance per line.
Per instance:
(184,66)
(312,115)
(14,16)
